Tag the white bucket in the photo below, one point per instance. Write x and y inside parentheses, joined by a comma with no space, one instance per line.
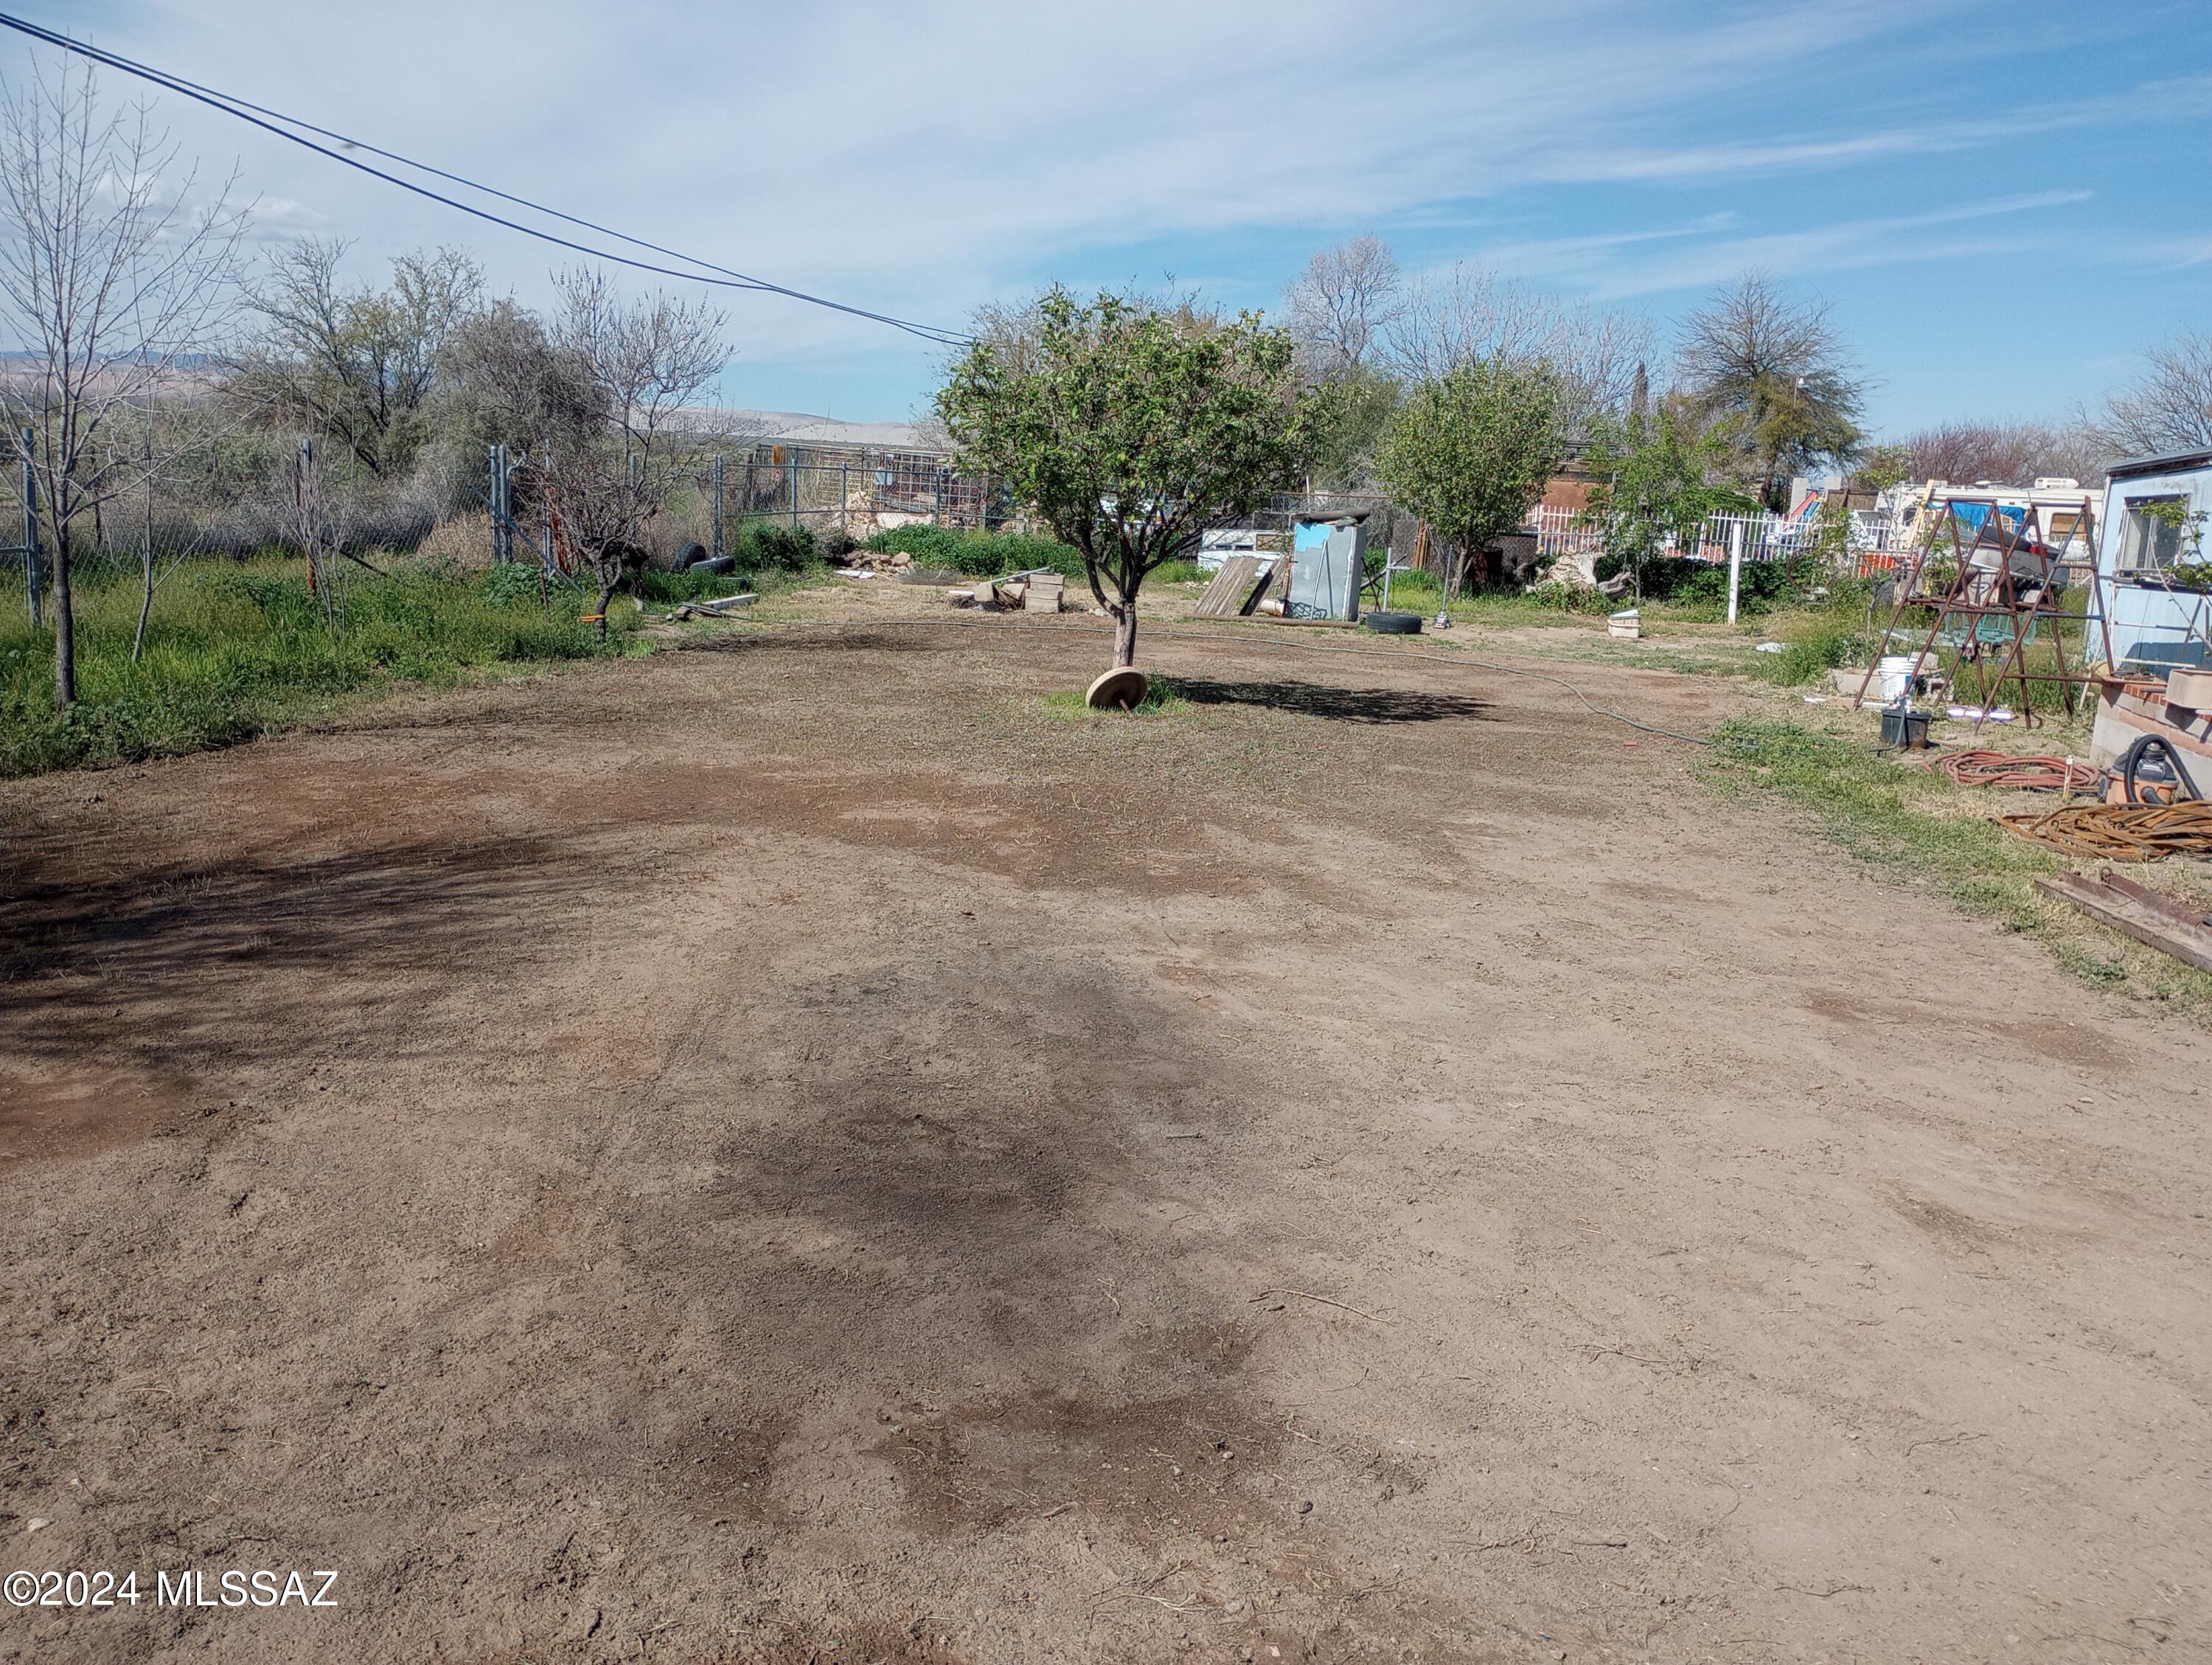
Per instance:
(1893,675)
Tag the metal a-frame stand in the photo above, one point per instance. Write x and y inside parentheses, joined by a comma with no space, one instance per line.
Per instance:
(2006,589)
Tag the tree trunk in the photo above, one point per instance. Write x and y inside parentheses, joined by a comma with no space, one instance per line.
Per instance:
(64,626)
(1125,635)
(146,548)
(145,601)
(606,599)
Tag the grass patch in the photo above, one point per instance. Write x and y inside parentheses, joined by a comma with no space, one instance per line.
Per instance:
(1160,698)
(1918,827)
(237,649)
(658,585)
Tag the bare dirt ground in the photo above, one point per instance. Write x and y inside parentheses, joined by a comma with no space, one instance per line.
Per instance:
(796,1150)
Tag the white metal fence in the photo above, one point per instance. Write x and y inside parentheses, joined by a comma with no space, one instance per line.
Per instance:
(1874,541)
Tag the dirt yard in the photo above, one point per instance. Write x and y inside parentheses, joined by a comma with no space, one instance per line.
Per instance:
(798,1149)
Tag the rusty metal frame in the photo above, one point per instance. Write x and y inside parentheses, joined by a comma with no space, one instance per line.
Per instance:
(1956,600)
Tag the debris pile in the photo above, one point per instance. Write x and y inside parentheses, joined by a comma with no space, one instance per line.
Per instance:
(1041,590)
(885,562)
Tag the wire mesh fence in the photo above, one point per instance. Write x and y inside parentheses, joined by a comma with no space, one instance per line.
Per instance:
(467,510)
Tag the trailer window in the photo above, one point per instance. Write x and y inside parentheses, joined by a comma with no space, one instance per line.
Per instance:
(2150,533)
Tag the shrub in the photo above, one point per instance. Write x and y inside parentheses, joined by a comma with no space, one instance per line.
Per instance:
(1764,585)
(771,546)
(1810,655)
(1565,598)
(508,583)
(984,554)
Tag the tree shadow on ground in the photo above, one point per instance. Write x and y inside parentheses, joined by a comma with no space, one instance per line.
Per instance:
(1343,705)
(230,961)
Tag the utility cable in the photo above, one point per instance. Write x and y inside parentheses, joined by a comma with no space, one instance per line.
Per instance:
(259,116)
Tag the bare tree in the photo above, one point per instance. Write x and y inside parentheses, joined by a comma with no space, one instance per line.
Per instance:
(645,361)
(2168,407)
(358,364)
(1469,315)
(2003,454)
(164,443)
(1598,354)
(1342,303)
(111,276)
(1776,372)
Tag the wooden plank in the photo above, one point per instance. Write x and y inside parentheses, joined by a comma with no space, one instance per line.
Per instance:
(2173,906)
(1259,591)
(1232,586)
(2191,946)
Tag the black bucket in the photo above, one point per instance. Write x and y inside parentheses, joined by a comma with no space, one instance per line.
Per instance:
(1902,727)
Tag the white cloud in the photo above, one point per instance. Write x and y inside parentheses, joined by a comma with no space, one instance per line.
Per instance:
(1650,262)
(918,160)
(2177,252)
(2158,101)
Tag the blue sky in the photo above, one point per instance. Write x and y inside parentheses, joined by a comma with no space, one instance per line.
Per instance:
(2004,203)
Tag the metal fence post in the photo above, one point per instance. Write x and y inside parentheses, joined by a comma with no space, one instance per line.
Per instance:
(302,513)
(844,499)
(503,508)
(31,577)
(794,489)
(1735,567)
(717,505)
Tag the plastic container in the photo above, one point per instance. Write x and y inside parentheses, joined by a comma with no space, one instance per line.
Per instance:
(1893,675)
(2190,689)
(1901,725)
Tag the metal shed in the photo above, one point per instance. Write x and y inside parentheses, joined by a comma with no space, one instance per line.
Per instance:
(2150,545)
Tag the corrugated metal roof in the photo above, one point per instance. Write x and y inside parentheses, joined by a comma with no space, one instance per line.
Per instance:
(2173,462)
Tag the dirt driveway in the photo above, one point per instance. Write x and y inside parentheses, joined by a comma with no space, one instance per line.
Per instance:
(799,1150)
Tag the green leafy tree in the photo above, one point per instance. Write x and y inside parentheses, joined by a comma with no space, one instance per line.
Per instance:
(1657,486)
(1774,370)
(358,364)
(1885,466)
(1129,429)
(1470,451)
(1356,408)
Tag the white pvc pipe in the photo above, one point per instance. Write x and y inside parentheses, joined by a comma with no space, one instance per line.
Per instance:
(1736,568)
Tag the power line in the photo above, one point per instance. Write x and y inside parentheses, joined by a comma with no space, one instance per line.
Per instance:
(267,120)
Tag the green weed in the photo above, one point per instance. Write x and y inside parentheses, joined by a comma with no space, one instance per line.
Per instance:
(234,650)
(981,554)
(1160,699)
(1919,827)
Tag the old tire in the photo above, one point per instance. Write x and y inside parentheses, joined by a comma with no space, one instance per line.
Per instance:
(687,557)
(1121,688)
(1393,624)
(720,566)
